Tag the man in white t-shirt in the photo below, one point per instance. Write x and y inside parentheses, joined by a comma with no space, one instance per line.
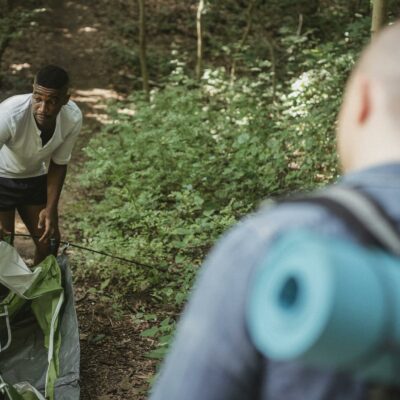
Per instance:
(37,134)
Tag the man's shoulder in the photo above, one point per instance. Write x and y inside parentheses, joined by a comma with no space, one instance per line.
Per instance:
(72,112)
(275,216)
(15,105)
(253,233)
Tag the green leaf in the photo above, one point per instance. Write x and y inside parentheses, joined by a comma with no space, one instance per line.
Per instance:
(151,332)
(158,354)
(150,317)
(105,283)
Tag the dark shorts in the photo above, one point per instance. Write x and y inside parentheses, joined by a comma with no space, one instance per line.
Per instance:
(22,192)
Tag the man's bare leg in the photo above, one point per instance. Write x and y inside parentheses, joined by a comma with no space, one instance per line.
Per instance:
(7,224)
(30,217)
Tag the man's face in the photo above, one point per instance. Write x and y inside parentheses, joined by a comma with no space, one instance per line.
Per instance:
(46,104)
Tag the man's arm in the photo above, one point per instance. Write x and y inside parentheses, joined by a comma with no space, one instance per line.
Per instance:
(7,219)
(48,217)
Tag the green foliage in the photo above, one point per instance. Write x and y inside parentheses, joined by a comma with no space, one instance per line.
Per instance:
(12,22)
(126,60)
(163,334)
(166,179)
(14,19)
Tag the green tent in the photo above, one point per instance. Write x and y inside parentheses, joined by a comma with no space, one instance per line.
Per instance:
(39,337)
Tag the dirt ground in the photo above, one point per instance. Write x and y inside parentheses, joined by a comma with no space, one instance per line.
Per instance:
(74,34)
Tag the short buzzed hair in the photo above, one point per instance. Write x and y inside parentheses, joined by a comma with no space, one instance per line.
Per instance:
(52,77)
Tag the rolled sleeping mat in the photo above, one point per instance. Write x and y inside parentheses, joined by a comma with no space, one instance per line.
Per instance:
(329,303)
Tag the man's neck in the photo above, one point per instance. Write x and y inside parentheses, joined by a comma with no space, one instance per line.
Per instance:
(47,129)
(47,133)
(381,148)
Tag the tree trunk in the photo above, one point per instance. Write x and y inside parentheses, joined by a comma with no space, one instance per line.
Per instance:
(271,50)
(142,49)
(3,8)
(199,28)
(300,25)
(355,6)
(249,23)
(379,13)
(5,38)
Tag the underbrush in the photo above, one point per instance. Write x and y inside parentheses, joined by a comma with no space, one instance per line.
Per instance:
(167,178)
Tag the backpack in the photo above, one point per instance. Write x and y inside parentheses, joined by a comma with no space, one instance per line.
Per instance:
(333,303)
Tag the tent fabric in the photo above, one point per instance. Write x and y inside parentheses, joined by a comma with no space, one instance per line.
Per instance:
(44,350)
(23,391)
(14,274)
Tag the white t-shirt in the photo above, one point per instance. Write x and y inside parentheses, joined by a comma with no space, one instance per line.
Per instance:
(21,152)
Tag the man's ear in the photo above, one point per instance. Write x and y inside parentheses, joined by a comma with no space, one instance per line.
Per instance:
(365,101)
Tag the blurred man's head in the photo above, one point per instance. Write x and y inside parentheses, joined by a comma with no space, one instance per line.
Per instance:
(369,120)
(50,93)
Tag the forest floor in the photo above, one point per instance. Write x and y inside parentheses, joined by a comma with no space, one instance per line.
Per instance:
(74,34)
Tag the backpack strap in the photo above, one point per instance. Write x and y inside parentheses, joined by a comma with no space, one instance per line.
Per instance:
(364,216)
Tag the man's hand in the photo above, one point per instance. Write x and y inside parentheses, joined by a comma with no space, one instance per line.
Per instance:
(48,220)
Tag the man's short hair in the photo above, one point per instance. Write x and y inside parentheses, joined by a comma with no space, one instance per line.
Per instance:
(52,77)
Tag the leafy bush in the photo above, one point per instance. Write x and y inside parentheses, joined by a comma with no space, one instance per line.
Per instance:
(167,178)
